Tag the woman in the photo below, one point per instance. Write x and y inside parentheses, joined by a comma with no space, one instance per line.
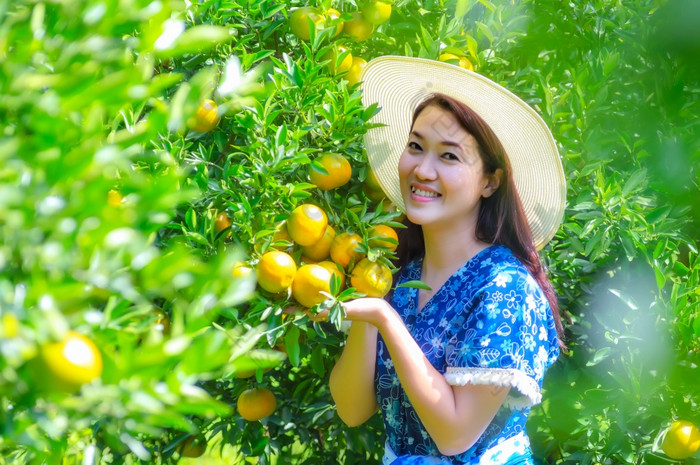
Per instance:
(455,369)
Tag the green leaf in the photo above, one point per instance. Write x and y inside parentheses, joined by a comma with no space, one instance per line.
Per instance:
(198,39)
(636,180)
(600,355)
(463,7)
(291,343)
(416,284)
(317,361)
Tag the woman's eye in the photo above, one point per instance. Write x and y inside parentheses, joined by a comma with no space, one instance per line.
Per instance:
(450,156)
(414,146)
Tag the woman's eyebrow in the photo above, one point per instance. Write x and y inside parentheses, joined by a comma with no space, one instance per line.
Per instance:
(449,143)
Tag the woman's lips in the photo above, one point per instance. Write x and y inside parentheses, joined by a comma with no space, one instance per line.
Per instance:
(421,193)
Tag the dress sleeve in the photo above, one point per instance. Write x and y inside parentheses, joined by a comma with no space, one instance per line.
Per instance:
(504,337)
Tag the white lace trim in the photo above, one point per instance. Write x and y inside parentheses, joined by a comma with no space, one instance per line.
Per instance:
(528,391)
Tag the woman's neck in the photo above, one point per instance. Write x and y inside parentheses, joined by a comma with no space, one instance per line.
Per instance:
(447,250)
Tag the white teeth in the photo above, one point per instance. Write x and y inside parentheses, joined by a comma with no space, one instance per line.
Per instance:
(423,193)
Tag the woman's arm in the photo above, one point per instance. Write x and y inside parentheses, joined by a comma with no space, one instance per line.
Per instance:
(352,377)
(454,416)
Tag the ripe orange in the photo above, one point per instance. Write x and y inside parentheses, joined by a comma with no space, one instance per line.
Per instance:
(320,249)
(299,21)
(205,118)
(334,269)
(307,224)
(308,284)
(681,440)
(276,271)
(380,233)
(371,187)
(338,169)
(343,249)
(332,16)
(371,278)
(257,403)
(193,446)
(241,270)
(221,222)
(358,27)
(353,75)
(114,198)
(73,361)
(333,56)
(10,326)
(462,62)
(281,233)
(377,12)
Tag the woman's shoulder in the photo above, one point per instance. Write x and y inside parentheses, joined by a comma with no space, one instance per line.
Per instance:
(501,268)
(498,259)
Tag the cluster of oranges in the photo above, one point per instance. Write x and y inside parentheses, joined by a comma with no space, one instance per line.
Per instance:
(325,254)
(325,258)
(360,26)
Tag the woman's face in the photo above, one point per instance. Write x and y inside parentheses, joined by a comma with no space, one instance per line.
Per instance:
(441,172)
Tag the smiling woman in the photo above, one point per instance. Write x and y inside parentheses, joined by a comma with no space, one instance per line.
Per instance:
(442,175)
(455,369)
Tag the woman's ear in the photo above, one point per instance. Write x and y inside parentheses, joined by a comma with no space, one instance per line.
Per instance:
(493,181)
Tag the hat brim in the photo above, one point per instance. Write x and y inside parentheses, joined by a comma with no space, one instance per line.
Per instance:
(398,84)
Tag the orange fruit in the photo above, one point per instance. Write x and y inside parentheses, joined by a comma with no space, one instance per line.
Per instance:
(333,56)
(10,326)
(322,248)
(205,118)
(353,75)
(332,16)
(281,233)
(371,181)
(276,271)
(338,169)
(299,21)
(241,270)
(681,440)
(73,361)
(343,249)
(256,403)
(358,27)
(377,12)
(334,269)
(307,224)
(388,206)
(222,222)
(193,446)
(114,198)
(371,278)
(380,233)
(250,373)
(308,284)
(462,62)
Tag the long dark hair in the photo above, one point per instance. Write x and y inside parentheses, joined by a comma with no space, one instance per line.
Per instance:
(501,217)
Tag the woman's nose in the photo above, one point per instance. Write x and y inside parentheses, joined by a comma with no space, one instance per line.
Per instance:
(425,169)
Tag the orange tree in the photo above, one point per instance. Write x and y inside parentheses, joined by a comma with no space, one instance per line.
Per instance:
(157,156)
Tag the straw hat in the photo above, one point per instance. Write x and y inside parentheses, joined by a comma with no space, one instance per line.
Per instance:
(398,84)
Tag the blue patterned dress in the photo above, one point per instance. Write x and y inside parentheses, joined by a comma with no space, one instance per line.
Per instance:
(490,323)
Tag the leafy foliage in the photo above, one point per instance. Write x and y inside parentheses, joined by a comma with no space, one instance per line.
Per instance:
(108,207)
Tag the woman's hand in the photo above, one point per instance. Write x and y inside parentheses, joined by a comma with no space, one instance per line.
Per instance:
(371,310)
(368,309)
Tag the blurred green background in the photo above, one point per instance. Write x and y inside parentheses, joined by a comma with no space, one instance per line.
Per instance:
(108,203)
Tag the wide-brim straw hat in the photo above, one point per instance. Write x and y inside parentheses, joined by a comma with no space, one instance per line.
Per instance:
(398,84)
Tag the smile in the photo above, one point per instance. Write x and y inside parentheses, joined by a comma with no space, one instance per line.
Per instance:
(424,193)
